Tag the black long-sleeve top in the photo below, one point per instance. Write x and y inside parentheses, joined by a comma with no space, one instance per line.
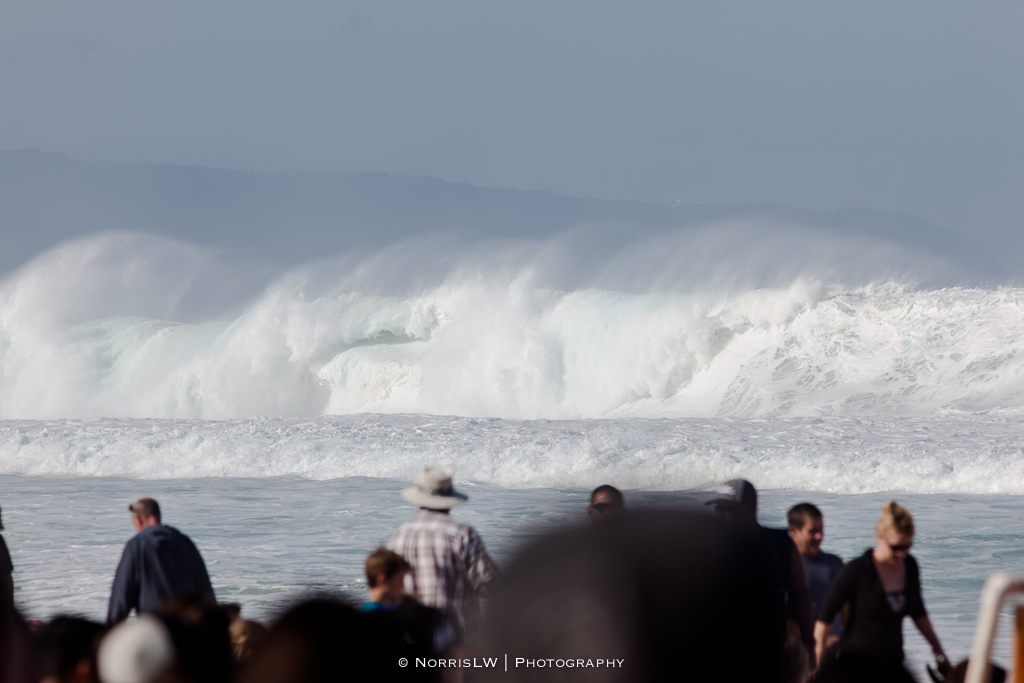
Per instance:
(874,628)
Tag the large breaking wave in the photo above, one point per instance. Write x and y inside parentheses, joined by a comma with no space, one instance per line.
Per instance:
(109,327)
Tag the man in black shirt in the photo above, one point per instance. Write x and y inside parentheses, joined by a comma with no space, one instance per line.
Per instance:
(736,500)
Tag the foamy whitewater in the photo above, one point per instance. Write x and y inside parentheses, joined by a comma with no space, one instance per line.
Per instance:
(84,333)
(126,359)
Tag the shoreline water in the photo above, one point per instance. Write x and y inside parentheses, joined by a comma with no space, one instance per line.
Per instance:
(268,540)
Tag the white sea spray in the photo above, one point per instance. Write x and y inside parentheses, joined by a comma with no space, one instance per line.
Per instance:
(86,334)
(957,453)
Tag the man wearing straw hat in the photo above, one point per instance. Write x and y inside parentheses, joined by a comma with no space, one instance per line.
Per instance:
(450,567)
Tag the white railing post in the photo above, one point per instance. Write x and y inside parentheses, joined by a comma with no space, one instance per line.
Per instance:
(996,589)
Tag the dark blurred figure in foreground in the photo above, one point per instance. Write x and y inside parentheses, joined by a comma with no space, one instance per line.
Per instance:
(659,596)
(325,641)
(200,633)
(16,662)
(246,634)
(606,502)
(187,642)
(66,650)
(158,564)
(862,669)
(246,637)
(451,569)
(807,529)
(736,501)
(958,674)
(6,569)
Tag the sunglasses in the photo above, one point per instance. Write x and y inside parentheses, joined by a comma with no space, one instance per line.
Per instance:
(603,507)
(902,548)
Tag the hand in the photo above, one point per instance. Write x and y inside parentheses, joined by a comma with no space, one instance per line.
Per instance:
(943,664)
(944,669)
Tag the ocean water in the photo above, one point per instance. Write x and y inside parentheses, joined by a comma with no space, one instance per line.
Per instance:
(277,421)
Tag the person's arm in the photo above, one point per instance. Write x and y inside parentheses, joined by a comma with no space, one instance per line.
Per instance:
(916,610)
(924,625)
(822,630)
(124,595)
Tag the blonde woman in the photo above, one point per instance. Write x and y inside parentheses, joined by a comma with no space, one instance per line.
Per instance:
(879,588)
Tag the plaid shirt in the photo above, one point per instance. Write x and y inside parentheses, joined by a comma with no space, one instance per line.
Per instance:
(449,567)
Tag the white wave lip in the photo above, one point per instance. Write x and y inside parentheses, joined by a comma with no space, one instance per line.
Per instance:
(84,332)
(960,453)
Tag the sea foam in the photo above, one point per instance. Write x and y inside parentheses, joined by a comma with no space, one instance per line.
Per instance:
(957,453)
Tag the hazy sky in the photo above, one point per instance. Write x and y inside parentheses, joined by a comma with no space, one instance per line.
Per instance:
(908,106)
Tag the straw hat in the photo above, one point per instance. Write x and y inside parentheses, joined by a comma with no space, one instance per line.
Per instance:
(435,490)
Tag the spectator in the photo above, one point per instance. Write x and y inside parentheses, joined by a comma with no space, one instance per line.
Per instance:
(159,564)
(737,502)
(66,650)
(199,630)
(324,641)
(660,596)
(418,630)
(16,662)
(246,637)
(881,587)
(6,569)
(139,651)
(807,529)
(606,502)
(385,575)
(863,669)
(450,567)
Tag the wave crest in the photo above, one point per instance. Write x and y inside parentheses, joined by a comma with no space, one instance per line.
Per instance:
(84,332)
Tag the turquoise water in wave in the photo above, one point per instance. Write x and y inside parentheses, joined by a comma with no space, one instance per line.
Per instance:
(268,540)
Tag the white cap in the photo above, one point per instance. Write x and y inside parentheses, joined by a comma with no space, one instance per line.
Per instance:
(135,651)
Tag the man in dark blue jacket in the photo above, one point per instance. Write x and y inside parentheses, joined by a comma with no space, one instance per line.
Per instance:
(159,564)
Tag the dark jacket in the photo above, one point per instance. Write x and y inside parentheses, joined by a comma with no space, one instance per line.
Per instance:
(6,566)
(160,563)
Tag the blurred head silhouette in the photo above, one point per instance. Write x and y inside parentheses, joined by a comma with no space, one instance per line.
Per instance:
(66,650)
(736,501)
(320,641)
(666,594)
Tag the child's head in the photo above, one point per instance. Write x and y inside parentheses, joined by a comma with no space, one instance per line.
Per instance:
(385,572)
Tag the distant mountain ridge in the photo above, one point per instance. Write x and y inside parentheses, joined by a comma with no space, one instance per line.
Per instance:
(46,199)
